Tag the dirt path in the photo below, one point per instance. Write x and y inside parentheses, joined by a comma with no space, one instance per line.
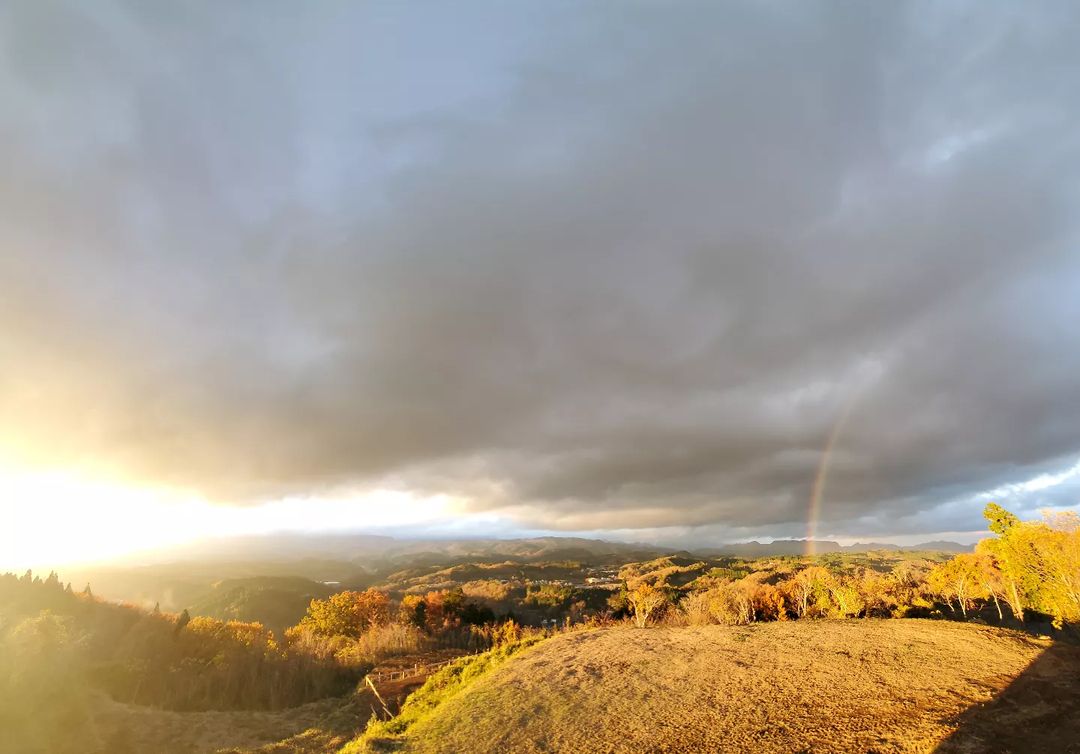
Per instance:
(823,686)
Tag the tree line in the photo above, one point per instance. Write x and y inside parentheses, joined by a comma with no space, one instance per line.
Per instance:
(184,662)
(1029,568)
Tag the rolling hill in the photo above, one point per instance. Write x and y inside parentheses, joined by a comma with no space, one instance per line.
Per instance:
(823,686)
(275,601)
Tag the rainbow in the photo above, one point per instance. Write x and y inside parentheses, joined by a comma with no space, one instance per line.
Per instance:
(818,491)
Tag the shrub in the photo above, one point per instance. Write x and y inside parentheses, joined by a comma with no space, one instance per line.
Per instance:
(696,609)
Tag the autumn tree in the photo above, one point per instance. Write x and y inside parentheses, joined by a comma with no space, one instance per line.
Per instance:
(908,585)
(413,610)
(1054,562)
(990,579)
(1010,554)
(1028,565)
(645,601)
(847,601)
(959,579)
(805,587)
(875,591)
(731,603)
(347,613)
(443,608)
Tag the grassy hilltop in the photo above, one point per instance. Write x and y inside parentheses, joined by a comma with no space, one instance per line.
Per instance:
(850,686)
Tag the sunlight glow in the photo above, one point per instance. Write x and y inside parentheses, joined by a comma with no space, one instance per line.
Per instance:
(56,517)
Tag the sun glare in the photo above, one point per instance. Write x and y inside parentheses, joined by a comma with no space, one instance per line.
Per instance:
(59,517)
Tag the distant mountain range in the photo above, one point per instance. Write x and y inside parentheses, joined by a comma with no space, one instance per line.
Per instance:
(378,553)
(820,547)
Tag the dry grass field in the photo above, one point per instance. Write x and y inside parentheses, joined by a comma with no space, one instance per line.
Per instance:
(813,686)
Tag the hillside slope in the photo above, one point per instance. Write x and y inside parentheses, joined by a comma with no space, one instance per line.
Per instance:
(275,601)
(822,686)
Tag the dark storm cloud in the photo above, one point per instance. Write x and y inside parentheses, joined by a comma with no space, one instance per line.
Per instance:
(587,267)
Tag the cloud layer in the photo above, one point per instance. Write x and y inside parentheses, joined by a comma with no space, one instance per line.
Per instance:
(586,269)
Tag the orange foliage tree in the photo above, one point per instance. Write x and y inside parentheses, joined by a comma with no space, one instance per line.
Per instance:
(347,613)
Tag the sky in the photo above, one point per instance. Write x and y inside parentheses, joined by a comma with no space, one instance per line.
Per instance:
(673,272)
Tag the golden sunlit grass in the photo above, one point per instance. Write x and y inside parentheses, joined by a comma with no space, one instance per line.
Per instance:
(850,686)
